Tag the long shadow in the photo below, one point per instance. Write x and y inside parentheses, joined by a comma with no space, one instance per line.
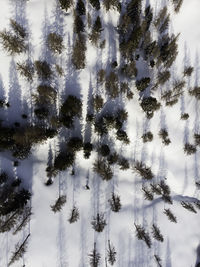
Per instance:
(198,257)
(61,241)
(168,262)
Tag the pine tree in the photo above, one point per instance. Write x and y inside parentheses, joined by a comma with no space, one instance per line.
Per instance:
(188,206)
(95,4)
(96,31)
(94,257)
(170,215)
(156,233)
(98,222)
(26,69)
(78,54)
(143,235)
(74,216)
(164,135)
(189,149)
(80,8)
(143,170)
(111,253)
(115,202)
(156,189)
(20,249)
(25,218)
(55,42)
(147,137)
(147,193)
(59,203)
(65,4)
(103,169)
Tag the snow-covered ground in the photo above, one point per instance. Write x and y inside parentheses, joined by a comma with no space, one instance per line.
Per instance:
(54,242)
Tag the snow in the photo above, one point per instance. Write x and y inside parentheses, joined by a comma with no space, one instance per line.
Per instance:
(54,241)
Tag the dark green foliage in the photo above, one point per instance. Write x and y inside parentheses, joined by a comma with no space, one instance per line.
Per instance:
(78,24)
(20,249)
(46,95)
(103,169)
(71,108)
(143,170)
(104,150)
(170,215)
(65,4)
(111,253)
(98,222)
(94,257)
(148,17)
(55,42)
(156,233)
(108,4)
(112,85)
(149,105)
(188,71)
(122,136)
(98,102)
(3,177)
(143,83)
(59,204)
(184,116)
(147,137)
(100,127)
(115,202)
(41,113)
(143,235)
(80,8)
(123,163)
(78,54)
(87,148)
(156,189)
(147,193)
(164,136)
(168,50)
(189,149)
(197,139)
(113,158)
(43,69)
(188,206)
(163,77)
(95,4)
(18,29)
(162,20)
(96,31)
(74,216)
(195,92)
(64,160)
(134,10)
(129,69)
(74,144)
(26,70)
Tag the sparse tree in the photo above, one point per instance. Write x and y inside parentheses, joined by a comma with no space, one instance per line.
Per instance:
(156,233)
(148,195)
(98,102)
(20,249)
(197,139)
(103,169)
(164,136)
(111,253)
(143,235)
(94,257)
(184,116)
(188,206)
(59,203)
(115,202)
(170,215)
(74,216)
(55,42)
(96,31)
(143,170)
(156,189)
(26,69)
(98,222)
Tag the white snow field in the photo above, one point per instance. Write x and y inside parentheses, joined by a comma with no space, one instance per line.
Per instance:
(53,241)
